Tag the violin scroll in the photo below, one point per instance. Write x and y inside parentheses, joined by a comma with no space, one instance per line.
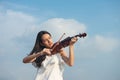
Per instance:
(81,35)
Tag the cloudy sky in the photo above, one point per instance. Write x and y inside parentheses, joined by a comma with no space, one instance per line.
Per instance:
(97,56)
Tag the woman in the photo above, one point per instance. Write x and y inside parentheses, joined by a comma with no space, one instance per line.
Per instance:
(49,67)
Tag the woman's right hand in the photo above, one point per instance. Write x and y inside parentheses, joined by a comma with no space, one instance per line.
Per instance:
(46,51)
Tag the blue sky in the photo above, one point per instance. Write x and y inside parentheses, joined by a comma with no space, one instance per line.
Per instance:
(97,56)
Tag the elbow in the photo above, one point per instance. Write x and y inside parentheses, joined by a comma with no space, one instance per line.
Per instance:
(71,64)
(25,61)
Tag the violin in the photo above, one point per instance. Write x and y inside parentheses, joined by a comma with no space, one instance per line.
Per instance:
(57,46)
(64,43)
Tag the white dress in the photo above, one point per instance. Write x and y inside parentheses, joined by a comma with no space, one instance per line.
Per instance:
(51,68)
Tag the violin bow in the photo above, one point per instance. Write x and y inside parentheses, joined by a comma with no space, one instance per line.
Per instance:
(57,43)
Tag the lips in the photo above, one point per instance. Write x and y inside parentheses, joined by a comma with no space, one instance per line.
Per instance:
(51,44)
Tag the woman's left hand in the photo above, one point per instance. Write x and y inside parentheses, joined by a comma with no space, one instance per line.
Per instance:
(73,40)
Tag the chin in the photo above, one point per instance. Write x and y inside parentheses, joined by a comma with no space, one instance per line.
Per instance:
(49,47)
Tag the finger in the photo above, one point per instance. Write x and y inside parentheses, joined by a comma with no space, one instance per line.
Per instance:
(74,39)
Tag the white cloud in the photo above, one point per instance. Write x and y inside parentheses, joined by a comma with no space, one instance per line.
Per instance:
(70,26)
(58,26)
(98,44)
(14,24)
(106,43)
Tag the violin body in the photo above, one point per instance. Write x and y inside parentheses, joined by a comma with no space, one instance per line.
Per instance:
(59,45)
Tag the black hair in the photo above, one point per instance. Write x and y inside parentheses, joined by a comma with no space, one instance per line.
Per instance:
(39,47)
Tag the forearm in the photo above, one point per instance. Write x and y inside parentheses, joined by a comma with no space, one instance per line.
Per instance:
(69,60)
(71,55)
(32,57)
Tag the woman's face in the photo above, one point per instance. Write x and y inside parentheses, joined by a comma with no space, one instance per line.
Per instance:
(47,40)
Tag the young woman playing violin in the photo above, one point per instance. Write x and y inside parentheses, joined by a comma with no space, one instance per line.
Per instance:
(52,66)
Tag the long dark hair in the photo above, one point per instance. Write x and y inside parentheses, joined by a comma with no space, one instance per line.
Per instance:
(38,47)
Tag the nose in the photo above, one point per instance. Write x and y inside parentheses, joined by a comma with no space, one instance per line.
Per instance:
(49,41)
